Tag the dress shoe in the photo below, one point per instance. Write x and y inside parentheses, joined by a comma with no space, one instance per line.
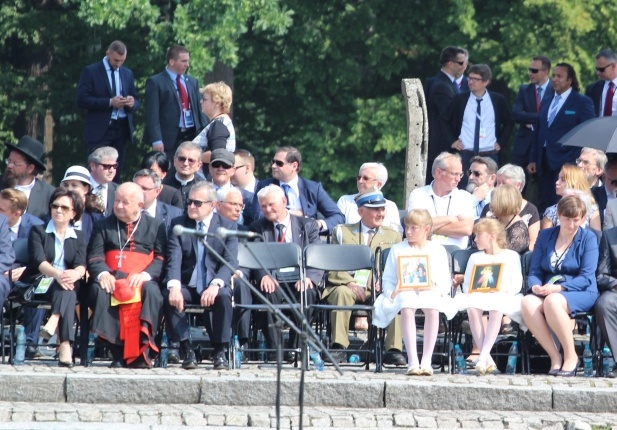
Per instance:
(414,371)
(116,364)
(395,358)
(220,361)
(140,363)
(33,352)
(569,373)
(290,356)
(480,369)
(427,371)
(173,355)
(44,334)
(338,356)
(612,374)
(65,363)
(491,368)
(190,362)
(553,372)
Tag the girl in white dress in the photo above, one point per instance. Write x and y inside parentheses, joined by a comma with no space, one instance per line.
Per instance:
(434,267)
(491,241)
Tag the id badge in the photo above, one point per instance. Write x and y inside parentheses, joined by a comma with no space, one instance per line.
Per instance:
(44,285)
(188,118)
(361,277)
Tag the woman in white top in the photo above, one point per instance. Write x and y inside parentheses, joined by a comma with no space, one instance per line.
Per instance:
(216,101)
(431,267)
(491,241)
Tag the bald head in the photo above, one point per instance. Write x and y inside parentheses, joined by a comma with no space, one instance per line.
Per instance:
(129,202)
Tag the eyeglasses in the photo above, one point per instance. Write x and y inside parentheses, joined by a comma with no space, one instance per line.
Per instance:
(108,166)
(613,182)
(583,162)
(182,159)
(472,79)
(602,69)
(279,163)
(476,173)
(534,71)
(218,164)
(460,63)
(145,189)
(203,99)
(241,165)
(62,208)
(16,164)
(235,205)
(365,178)
(453,174)
(197,203)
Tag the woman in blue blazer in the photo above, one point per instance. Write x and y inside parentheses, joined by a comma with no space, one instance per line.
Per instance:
(561,282)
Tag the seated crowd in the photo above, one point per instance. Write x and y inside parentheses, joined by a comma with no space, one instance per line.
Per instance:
(113,249)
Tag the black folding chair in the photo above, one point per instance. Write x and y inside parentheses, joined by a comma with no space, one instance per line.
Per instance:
(342,257)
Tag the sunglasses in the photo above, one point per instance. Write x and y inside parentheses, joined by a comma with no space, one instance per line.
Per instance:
(460,63)
(602,69)
(197,203)
(534,71)
(182,159)
(62,208)
(279,163)
(108,166)
(614,182)
(365,178)
(475,173)
(218,164)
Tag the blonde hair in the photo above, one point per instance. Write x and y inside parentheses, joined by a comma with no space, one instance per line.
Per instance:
(506,200)
(220,93)
(575,178)
(492,226)
(419,217)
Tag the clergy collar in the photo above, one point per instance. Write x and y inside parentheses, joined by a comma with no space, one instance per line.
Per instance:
(184,182)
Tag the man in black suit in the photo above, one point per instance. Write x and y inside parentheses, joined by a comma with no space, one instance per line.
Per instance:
(109,99)
(244,174)
(103,163)
(478,122)
(194,275)
(173,108)
(606,305)
(187,162)
(602,91)
(441,89)
(299,230)
(605,193)
(150,183)
(305,198)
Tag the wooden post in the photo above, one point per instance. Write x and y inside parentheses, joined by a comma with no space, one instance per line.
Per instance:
(417,136)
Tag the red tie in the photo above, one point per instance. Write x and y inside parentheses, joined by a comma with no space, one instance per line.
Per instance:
(184,98)
(280,233)
(608,103)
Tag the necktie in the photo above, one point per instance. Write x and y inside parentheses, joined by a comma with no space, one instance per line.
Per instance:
(553,112)
(286,189)
(280,233)
(201,268)
(608,102)
(114,92)
(184,98)
(538,98)
(371,234)
(99,196)
(476,134)
(456,87)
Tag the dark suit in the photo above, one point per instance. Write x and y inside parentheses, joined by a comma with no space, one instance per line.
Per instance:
(27,222)
(7,257)
(111,196)
(166,213)
(599,195)
(163,111)
(441,91)
(181,261)
(41,247)
(172,196)
(93,94)
(88,219)
(171,181)
(594,92)
(606,305)
(575,110)
(525,113)
(304,231)
(313,199)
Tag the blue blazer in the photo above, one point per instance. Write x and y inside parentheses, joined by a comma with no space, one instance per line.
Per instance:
(166,213)
(27,222)
(525,113)
(313,199)
(7,257)
(93,94)
(578,266)
(182,252)
(576,109)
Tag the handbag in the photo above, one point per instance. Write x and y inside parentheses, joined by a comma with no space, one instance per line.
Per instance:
(25,291)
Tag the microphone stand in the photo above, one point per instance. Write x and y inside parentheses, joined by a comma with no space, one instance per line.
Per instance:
(304,335)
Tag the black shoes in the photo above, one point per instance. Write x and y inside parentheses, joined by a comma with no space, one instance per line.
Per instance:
(220,360)
(190,362)
(32,352)
(395,357)
(173,353)
(338,353)
(115,364)
(68,364)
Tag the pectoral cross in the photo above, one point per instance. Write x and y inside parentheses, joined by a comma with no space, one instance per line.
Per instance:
(120,257)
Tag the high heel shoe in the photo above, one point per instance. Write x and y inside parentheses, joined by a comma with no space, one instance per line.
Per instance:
(65,364)
(554,372)
(491,368)
(569,373)
(46,335)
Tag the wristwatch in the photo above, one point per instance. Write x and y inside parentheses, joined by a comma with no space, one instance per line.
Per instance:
(217,283)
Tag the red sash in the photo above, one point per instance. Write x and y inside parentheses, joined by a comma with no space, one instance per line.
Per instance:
(131,263)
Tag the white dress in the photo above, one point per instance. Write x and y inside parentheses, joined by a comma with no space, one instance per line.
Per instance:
(438,297)
(508,299)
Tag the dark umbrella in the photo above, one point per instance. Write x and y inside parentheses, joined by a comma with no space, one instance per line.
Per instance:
(598,133)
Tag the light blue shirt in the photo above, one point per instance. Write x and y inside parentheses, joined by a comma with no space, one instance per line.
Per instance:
(59,262)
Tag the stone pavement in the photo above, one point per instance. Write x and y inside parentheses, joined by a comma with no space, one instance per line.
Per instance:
(39,393)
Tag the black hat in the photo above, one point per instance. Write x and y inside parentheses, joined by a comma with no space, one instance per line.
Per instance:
(31,148)
(224,156)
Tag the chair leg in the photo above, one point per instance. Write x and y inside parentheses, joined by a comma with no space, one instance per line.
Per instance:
(84,334)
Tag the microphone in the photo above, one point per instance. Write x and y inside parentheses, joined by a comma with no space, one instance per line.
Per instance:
(179,230)
(224,233)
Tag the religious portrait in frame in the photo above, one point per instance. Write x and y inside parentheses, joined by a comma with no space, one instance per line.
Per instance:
(486,278)
(413,272)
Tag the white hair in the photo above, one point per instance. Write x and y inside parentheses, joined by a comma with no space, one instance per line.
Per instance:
(222,193)
(382,172)
(270,189)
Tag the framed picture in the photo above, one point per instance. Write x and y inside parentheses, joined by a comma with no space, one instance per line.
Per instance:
(413,272)
(486,278)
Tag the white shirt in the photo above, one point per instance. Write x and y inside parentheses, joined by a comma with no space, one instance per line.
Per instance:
(26,188)
(152,209)
(15,228)
(562,99)
(487,123)
(348,207)
(250,187)
(287,223)
(456,203)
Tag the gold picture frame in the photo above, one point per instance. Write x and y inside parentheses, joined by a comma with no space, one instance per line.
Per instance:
(413,272)
(486,278)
